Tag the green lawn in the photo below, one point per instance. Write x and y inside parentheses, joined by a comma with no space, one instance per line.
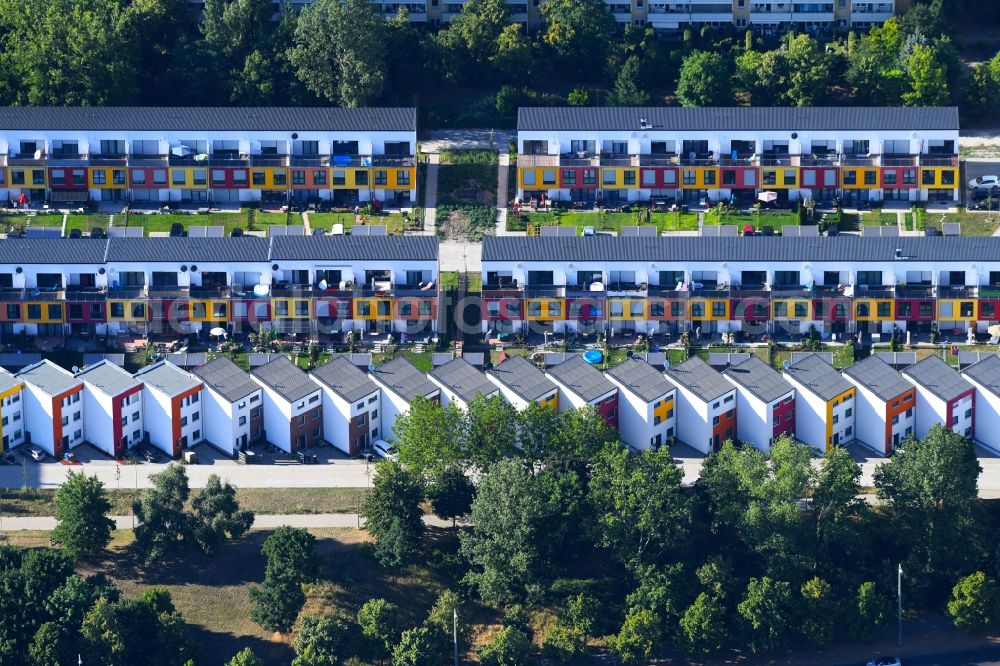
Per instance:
(263,220)
(759,220)
(877,218)
(161,222)
(8,222)
(325,221)
(449,280)
(604,221)
(973,223)
(87,222)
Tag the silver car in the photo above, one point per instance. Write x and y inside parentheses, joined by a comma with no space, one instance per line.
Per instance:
(384,450)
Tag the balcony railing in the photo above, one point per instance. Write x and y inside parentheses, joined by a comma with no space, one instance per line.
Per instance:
(579,160)
(26,160)
(147,159)
(859,160)
(105,159)
(274,160)
(526,160)
(658,159)
(906,291)
(310,160)
(939,160)
(67,159)
(127,292)
(210,161)
(608,160)
(898,160)
(398,161)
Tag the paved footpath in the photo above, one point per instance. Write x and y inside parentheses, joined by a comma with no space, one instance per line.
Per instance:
(261,522)
(431,194)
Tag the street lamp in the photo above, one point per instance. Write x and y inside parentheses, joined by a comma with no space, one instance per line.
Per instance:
(899,605)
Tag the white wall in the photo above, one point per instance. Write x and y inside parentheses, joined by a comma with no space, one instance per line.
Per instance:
(98,419)
(869,418)
(930,410)
(13,411)
(694,425)
(810,416)
(987,415)
(157,417)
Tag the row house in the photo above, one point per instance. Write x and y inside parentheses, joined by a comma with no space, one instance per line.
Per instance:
(646,405)
(824,403)
(522,384)
(171,407)
(159,155)
(752,286)
(706,412)
(461,383)
(351,403)
(581,384)
(293,405)
(706,155)
(765,401)
(317,285)
(401,383)
(985,377)
(52,407)
(112,408)
(943,397)
(885,408)
(232,404)
(11,411)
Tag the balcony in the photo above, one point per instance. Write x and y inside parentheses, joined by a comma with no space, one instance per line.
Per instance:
(623,288)
(580,159)
(168,291)
(422,289)
(310,160)
(76,293)
(538,160)
(127,292)
(616,160)
(269,160)
(26,160)
(67,159)
(107,159)
(859,160)
(698,160)
(938,160)
(283,289)
(544,291)
(146,159)
(397,161)
(658,159)
(211,291)
(213,160)
(958,291)
(778,160)
(897,160)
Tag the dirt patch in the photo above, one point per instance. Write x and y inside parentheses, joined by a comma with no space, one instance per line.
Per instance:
(468,223)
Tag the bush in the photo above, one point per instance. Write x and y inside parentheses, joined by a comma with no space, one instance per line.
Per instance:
(473,156)
(973,603)
(507,647)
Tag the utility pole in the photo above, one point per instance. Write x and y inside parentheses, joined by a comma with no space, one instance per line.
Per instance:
(454,630)
(899,605)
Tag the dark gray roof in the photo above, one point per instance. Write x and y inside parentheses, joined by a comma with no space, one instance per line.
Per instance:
(352,248)
(759,378)
(878,377)
(17,251)
(7,381)
(49,377)
(641,378)
(168,378)
(521,377)
(464,379)
(190,250)
(15,361)
(188,360)
(140,118)
(938,377)
(700,378)
(752,248)
(285,378)
(344,378)
(109,378)
(226,378)
(404,380)
(581,378)
(986,373)
(736,119)
(818,376)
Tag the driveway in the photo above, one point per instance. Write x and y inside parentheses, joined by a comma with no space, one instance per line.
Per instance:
(465,139)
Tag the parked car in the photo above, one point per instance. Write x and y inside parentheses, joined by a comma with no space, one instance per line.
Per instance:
(149,455)
(385,450)
(36,454)
(885,661)
(307,458)
(985,183)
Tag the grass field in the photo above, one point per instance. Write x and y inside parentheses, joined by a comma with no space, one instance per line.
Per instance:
(973,223)
(758,220)
(9,222)
(161,222)
(603,221)
(87,222)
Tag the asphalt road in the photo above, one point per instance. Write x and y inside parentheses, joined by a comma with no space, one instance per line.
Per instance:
(986,656)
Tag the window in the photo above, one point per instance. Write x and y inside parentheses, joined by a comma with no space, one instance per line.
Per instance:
(159,176)
(608,177)
(590,176)
(569,177)
(243,420)
(298,177)
(909,177)
(280,178)
(239,177)
(313,399)
(319,177)
(118,176)
(138,177)
(630,177)
(176,178)
(195,417)
(258,177)
(100,177)
(789,177)
(648,178)
(871,177)
(718,309)
(926,177)
(709,178)
(850,178)
(689,177)
(403,177)
(889,178)
(382,177)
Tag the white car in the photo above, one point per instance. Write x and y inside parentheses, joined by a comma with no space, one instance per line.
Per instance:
(37,454)
(985,183)
(383,449)
(885,661)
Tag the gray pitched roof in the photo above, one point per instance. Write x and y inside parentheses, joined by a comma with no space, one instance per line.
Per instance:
(285,378)
(187,249)
(986,373)
(759,378)
(736,119)
(7,381)
(17,251)
(165,118)
(581,378)
(641,378)
(353,248)
(464,379)
(400,376)
(818,376)
(226,378)
(108,377)
(752,248)
(344,378)
(49,377)
(521,377)
(938,377)
(878,377)
(700,378)
(168,378)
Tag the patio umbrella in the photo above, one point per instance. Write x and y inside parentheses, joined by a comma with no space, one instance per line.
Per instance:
(994,330)
(218,332)
(767,197)
(747,229)
(23,199)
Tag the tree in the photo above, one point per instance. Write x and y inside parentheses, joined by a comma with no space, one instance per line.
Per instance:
(82,508)
(451,493)
(340,51)
(507,647)
(762,75)
(429,437)
(380,623)
(416,647)
(291,550)
(580,32)
(162,523)
(245,657)
(217,516)
(973,603)
(874,69)
(52,645)
(564,643)
(872,611)
(277,601)
(639,637)
(130,632)
(321,640)
(927,77)
(819,611)
(68,604)
(704,80)
(440,621)
(641,507)
(626,91)
(491,430)
(578,97)
(154,28)
(475,32)
(515,58)
(767,611)
(808,71)
(392,509)
(703,625)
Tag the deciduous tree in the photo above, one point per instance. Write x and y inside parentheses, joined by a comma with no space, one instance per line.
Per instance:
(82,508)
(704,80)
(974,602)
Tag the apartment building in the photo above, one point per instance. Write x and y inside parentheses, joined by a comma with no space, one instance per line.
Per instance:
(171,407)
(112,408)
(646,413)
(824,403)
(461,383)
(706,405)
(750,286)
(52,407)
(522,384)
(985,377)
(232,404)
(765,402)
(885,409)
(11,411)
(158,155)
(943,397)
(136,286)
(700,156)
(293,405)
(351,404)
(580,384)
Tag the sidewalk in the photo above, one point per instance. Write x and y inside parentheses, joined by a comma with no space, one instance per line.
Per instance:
(261,522)
(431,194)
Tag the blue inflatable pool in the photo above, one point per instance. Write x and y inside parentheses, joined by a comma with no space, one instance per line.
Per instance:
(593,357)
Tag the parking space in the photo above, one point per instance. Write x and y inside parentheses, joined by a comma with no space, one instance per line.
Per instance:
(977,168)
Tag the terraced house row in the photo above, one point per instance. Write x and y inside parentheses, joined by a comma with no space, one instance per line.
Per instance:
(321,285)
(622,154)
(201,155)
(749,286)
